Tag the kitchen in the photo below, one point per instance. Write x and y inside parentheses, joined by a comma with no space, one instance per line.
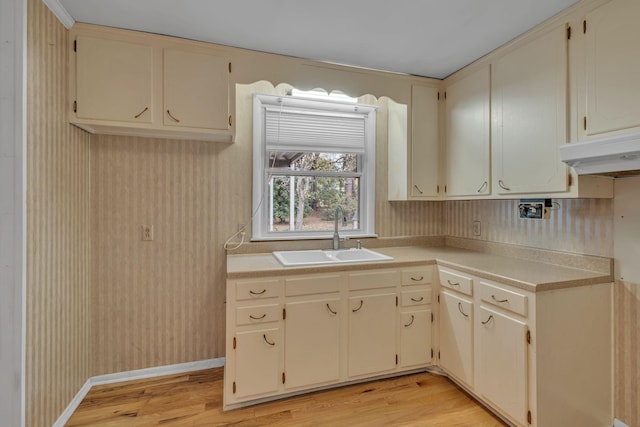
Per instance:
(80,254)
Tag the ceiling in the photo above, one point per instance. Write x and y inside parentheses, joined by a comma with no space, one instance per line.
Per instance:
(431,38)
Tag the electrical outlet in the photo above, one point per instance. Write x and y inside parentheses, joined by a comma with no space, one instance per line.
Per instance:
(476,228)
(147,233)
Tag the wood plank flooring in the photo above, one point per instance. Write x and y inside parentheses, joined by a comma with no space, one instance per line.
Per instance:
(195,399)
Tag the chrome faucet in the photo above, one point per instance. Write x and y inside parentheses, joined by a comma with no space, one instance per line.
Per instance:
(336,236)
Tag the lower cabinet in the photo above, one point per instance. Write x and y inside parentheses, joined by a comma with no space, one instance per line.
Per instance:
(295,333)
(525,353)
(372,334)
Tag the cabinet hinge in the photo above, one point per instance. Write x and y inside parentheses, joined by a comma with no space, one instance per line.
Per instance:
(75,45)
(234,343)
(234,387)
(230,120)
(584,27)
(229,66)
(396,359)
(568,33)
(283,378)
(284,314)
(529,417)
(75,106)
(584,122)
(528,337)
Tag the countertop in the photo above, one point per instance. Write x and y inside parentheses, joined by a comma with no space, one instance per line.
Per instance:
(531,275)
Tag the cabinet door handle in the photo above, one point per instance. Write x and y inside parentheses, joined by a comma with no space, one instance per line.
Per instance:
(418,188)
(258,317)
(410,322)
(417,279)
(140,113)
(493,297)
(172,118)
(330,310)
(359,307)
(482,187)
(504,187)
(453,284)
(258,293)
(488,320)
(417,299)
(460,310)
(264,336)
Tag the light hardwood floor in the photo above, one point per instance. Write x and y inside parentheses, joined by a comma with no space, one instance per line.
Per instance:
(195,399)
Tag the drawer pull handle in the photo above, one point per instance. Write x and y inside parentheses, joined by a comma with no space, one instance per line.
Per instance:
(267,341)
(258,293)
(418,188)
(482,187)
(410,322)
(453,284)
(330,310)
(359,307)
(417,279)
(417,299)
(172,118)
(460,310)
(140,113)
(493,297)
(488,320)
(503,186)
(259,317)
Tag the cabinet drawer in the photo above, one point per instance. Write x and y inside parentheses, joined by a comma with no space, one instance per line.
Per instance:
(417,276)
(374,279)
(417,297)
(500,297)
(257,314)
(256,289)
(456,281)
(309,285)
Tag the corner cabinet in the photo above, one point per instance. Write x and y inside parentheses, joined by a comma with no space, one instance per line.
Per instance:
(129,83)
(529,115)
(296,333)
(608,69)
(524,353)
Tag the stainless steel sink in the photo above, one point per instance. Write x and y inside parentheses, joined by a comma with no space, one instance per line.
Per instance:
(317,256)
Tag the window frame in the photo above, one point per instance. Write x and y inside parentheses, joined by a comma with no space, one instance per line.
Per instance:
(367,177)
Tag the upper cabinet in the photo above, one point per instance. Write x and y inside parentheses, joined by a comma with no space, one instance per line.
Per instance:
(529,115)
(128,83)
(467,135)
(609,88)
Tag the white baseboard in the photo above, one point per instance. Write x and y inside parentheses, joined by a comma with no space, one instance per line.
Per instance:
(137,374)
(618,423)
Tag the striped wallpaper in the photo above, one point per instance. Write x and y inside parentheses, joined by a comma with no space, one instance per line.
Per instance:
(58,323)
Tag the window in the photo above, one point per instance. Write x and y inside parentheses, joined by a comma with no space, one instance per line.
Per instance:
(311,156)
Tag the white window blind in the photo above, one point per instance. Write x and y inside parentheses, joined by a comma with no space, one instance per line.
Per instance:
(303,125)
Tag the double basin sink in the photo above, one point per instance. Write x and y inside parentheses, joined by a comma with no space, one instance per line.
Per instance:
(319,256)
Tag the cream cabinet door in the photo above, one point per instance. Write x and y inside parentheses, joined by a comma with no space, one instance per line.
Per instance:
(114,80)
(529,114)
(196,90)
(425,147)
(257,362)
(612,67)
(467,135)
(415,338)
(312,342)
(372,334)
(456,336)
(501,350)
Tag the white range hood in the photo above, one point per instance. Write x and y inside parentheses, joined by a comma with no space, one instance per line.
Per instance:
(604,155)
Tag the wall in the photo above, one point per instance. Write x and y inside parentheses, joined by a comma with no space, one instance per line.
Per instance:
(627,300)
(57,310)
(12,194)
